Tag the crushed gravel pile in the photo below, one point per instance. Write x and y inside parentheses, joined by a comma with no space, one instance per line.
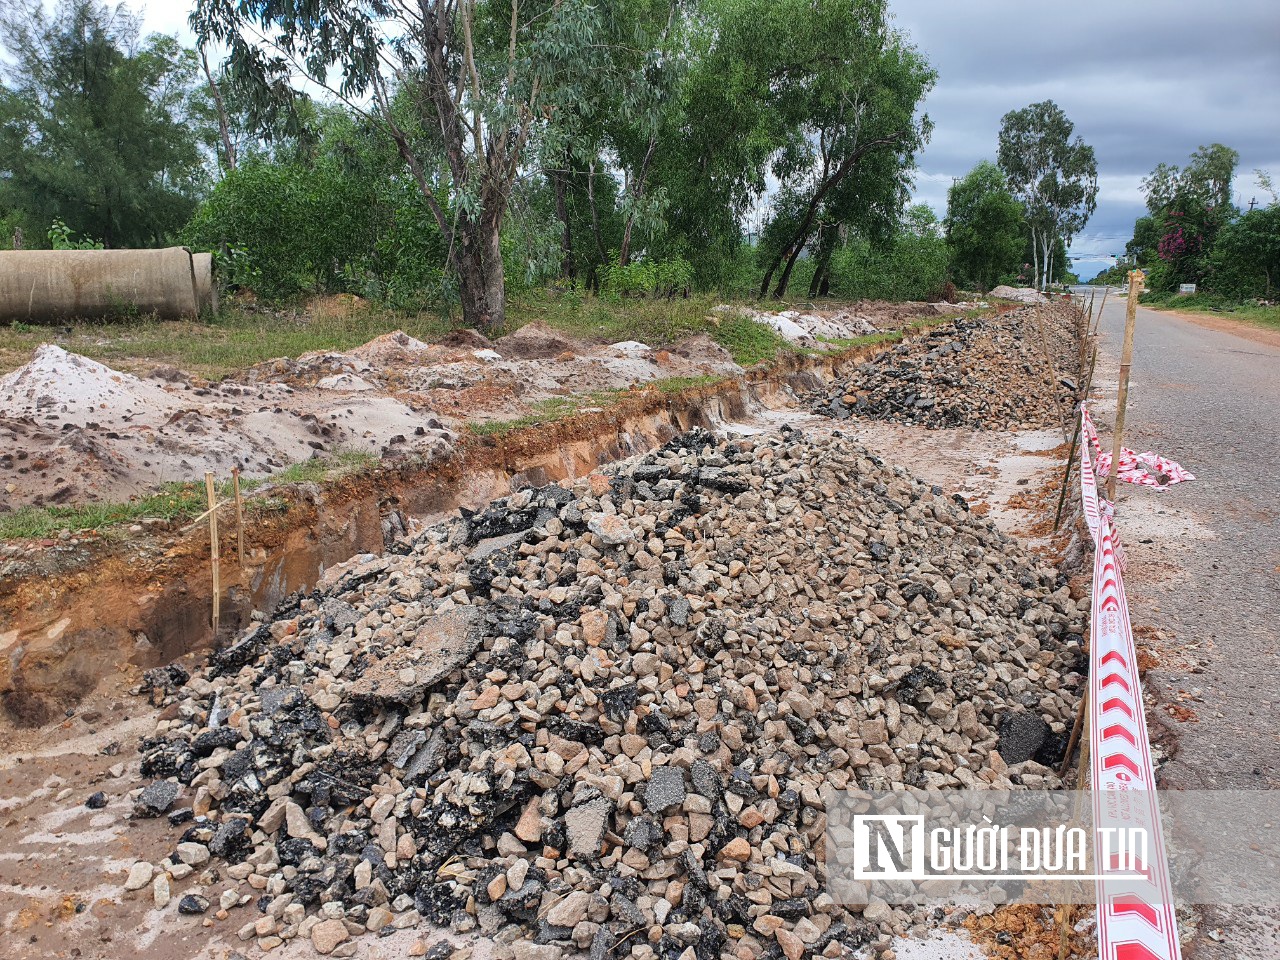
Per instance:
(600,718)
(985,372)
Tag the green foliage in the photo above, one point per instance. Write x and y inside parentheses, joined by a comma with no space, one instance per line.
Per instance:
(910,267)
(843,126)
(347,220)
(61,238)
(97,130)
(748,341)
(664,278)
(1245,260)
(1188,207)
(984,227)
(1054,177)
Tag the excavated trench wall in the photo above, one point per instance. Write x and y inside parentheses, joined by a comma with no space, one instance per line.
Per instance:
(51,286)
(71,634)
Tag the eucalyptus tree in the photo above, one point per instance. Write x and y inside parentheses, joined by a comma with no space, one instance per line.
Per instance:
(482,78)
(1054,177)
(838,85)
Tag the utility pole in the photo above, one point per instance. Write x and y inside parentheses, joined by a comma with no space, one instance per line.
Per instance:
(1253,203)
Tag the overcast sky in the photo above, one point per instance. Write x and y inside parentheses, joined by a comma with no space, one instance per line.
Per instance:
(1143,81)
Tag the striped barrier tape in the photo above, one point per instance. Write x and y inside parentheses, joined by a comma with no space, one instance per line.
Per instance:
(1136,917)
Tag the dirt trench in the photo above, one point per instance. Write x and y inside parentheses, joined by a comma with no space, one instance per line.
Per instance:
(131,606)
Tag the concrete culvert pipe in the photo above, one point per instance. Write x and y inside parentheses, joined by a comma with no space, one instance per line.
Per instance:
(206,289)
(49,286)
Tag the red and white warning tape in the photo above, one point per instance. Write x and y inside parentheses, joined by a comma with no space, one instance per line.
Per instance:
(1136,919)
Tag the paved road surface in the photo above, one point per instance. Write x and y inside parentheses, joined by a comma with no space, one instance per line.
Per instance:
(1210,574)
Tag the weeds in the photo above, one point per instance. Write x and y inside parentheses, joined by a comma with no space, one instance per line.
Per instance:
(173,503)
(1215,305)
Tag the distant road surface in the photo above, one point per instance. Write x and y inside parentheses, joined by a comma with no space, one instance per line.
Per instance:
(1208,396)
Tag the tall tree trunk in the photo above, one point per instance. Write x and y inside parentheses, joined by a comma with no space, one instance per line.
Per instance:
(224,127)
(595,214)
(481,282)
(637,193)
(559,182)
(820,285)
(495,279)
(1035,258)
(768,274)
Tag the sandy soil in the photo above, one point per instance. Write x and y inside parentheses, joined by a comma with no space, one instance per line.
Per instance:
(73,430)
(62,865)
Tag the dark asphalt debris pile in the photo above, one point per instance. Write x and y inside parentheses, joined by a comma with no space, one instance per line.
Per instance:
(984,372)
(601,718)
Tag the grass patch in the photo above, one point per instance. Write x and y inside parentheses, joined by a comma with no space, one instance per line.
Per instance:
(748,341)
(234,340)
(652,321)
(1210,304)
(174,502)
(546,411)
(239,337)
(677,384)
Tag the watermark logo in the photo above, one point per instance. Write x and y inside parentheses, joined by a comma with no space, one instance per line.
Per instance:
(1051,847)
(891,847)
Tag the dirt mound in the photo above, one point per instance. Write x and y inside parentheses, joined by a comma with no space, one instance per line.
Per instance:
(72,429)
(57,383)
(395,347)
(582,713)
(535,341)
(1022,294)
(701,349)
(466,339)
(988,372)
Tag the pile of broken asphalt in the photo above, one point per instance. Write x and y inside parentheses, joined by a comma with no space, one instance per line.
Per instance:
(989,372)
(600,718)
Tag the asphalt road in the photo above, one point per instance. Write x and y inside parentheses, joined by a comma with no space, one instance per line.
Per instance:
(1208,575)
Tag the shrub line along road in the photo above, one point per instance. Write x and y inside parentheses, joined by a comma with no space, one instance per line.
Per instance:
(1210,573)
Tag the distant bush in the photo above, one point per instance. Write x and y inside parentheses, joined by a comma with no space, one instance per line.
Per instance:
(660,278)
(911,267)
(61,238)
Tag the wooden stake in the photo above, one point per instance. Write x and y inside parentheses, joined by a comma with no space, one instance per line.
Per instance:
(1126,361)
(214,560)
(235,486)
(1074,741)
(1065,911)
(1066,476)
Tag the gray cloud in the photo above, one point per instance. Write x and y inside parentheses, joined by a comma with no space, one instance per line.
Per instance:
(1144,82)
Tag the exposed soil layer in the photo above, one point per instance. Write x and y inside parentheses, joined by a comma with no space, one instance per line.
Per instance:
(148,599)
